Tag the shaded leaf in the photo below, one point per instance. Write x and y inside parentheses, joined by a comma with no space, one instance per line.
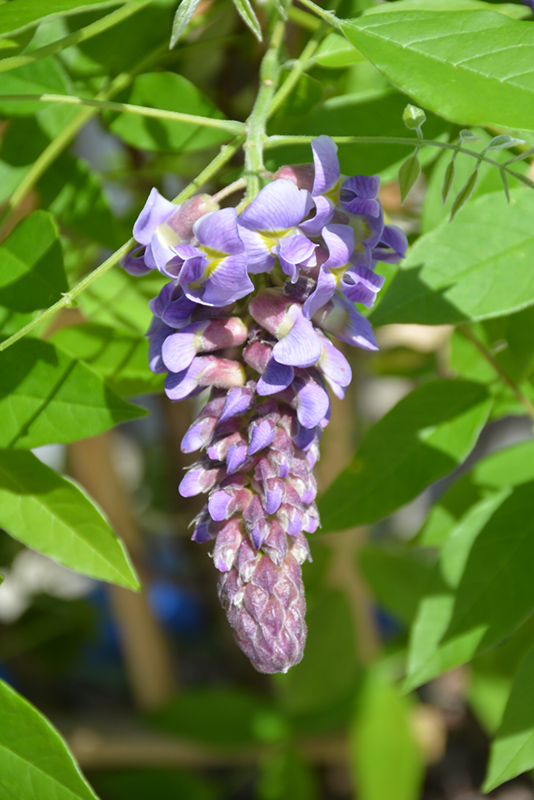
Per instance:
(121,358)
(448,179)
(182,18)
(31,270)
(171,92)
(471,268)
(336,52)
(481,590)
(408,174)
(34,759)
(14,16)
(246,12)
(466,53)
(464,194)
(121,300)
(48,397)
(424,437)
(382,735)
(503,142)
(512,751)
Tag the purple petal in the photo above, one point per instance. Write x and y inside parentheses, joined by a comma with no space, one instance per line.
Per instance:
(156,335)
(276,378)
(359,195)
(392,245)
(278,207)
(343,320)
(361,285)
(312,403)
(159,254)
(135,264)
(260,433)
(274,494)
(238,401)
(326,164)
(294,252)
(335,368)
(326,286)
(236,457)
(324,211)
(218,231)
(179,385)
(218,505)
(179,349)
(340,242)
(156,211)
(220,282)
(301,346)
(258,249)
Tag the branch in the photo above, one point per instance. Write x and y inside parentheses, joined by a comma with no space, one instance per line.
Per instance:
(281,141)
(73,38)
(232,126)
(224,155)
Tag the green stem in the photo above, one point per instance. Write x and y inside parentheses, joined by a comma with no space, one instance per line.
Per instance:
(328,16)
(63,139)
(281,141)
(73,38)
(225,154)
(523,399)
(298,68)
(257,120)
(231,126)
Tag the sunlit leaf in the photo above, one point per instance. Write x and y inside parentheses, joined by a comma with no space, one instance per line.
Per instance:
(34,759)
(51,514)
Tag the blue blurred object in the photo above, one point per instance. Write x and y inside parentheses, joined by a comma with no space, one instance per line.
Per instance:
(388,625)
(7,676)
(176,608)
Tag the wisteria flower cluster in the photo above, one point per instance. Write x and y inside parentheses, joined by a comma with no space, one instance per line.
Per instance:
(248,309)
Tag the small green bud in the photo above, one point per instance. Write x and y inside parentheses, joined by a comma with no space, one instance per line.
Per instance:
(413,117)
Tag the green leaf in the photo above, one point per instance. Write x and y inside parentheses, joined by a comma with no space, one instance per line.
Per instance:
(31,270)
(481,590)
(465,193)
(512,752)
(48,397)
(408,174)
(474,267)
(171,92)
(121,358)
(396,577)
(246,12)
(34,759)
(489,180)
(444,515)
(424,437)
(386,759)
(121,300)
(182,18)
(44,76)
(336,52)
(51,514)
(509,9)
(510,466)
(466,54)
(286,774)
(448,179)
(73,192)
(15,16)
(503,142)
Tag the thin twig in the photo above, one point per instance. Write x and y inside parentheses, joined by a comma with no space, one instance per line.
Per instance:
(523,399)
(232,126)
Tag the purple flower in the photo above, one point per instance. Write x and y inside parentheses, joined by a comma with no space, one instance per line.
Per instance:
(316,236)
(271,217)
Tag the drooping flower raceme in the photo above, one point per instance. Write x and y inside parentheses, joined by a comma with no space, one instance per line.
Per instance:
(314,238)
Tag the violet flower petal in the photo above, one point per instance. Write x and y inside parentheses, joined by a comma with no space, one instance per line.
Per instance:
(300,347)
(156,211)
(326,164)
